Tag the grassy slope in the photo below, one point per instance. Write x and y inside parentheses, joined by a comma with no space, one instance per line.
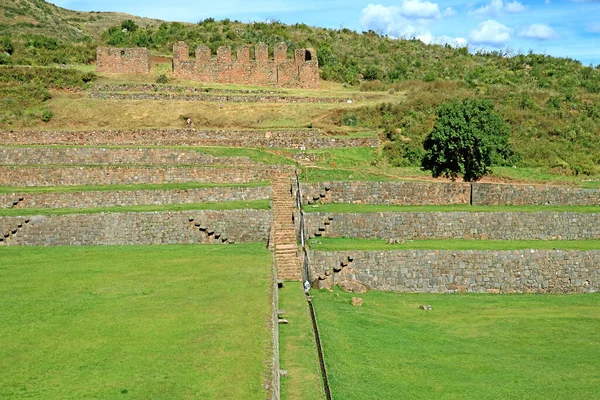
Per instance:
(469,346)
(169,322)
(298,352)
(379,208)
(351,244)
(224,205)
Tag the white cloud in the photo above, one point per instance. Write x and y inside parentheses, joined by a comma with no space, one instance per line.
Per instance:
(497,8)
(490,33)
(410,19)
(514,7)
(539,32)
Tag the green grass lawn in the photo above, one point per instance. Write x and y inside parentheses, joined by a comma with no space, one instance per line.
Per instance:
(219,206)
(352,244)
(467,347)
(152,322)
(112,188)
(376,208)
(297,348)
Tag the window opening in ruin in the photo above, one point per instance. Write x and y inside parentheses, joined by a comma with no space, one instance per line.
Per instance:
(122,52)
(307,56)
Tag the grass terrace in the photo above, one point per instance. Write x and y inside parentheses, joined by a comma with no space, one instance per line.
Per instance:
(218,206)
(468,346)
(351,244)
(298,352)
(168,322)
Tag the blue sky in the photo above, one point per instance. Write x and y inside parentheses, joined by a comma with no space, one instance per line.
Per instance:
(568,28)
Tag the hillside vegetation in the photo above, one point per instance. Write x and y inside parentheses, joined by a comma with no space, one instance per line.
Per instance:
(551,104)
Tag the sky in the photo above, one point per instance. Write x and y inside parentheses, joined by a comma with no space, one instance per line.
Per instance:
(567,28)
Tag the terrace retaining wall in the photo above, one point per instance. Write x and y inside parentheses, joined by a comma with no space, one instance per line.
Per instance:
(132,197)
(456,225)
(107,175)
(289,139)
(441,193)
(115,156)
(426,271)
(149,228)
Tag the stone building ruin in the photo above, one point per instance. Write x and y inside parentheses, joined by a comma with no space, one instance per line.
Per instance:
(123,60)
(301,72)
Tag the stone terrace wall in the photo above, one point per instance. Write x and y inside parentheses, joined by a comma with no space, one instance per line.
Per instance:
(552,271)
(231,98)
(115,156)
(65,176)
(431,193)
(492,194)
(400,193)
(292,139)
(142,228)
(302,72)
(456,225)
(123,61)
(133,197)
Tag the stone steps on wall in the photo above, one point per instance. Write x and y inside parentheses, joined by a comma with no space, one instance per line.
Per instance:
(284,231)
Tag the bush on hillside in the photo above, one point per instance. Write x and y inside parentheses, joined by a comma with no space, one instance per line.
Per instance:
(467,139)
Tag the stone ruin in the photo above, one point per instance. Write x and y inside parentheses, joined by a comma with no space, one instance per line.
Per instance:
(123,60)
(301,72)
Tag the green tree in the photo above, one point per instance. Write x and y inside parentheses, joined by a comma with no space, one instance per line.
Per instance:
(467,139)
(130,25)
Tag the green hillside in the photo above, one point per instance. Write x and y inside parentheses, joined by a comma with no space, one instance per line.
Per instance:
(551,104)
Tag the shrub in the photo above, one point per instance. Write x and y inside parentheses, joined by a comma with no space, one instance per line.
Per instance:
(47,115)
(350,119)
(162,78)
(467,139)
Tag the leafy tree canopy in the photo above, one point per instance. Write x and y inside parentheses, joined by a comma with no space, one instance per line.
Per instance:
(467,139)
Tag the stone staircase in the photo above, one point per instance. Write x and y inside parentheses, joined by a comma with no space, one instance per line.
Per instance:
(284,230)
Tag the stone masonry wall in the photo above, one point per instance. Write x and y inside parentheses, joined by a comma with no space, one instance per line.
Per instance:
(301,72)
(141,228)
(492,194)
(123,61)
(456,225)
(289,139)
(132,197)
(441,271)
(115,156)
(106,175)
(433,193)
(400,193)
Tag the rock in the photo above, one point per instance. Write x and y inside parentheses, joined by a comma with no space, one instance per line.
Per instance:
(326,284)
(493,291)
(327,273)
(427,307)
(390,241)
(283,373)
(357,301)
(352,286)
(282,321)
(322,277)
(462,289)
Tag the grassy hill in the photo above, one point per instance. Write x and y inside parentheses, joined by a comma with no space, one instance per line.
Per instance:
(551,104)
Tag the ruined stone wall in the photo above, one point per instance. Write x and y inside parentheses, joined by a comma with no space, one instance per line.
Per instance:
(301,72)
(123,61)
(433,193)
(456,225)
(187,227)
(399,193)
(116,156)
(289,139)
(441,271)
(492,194)
(107,175)
(132,197)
